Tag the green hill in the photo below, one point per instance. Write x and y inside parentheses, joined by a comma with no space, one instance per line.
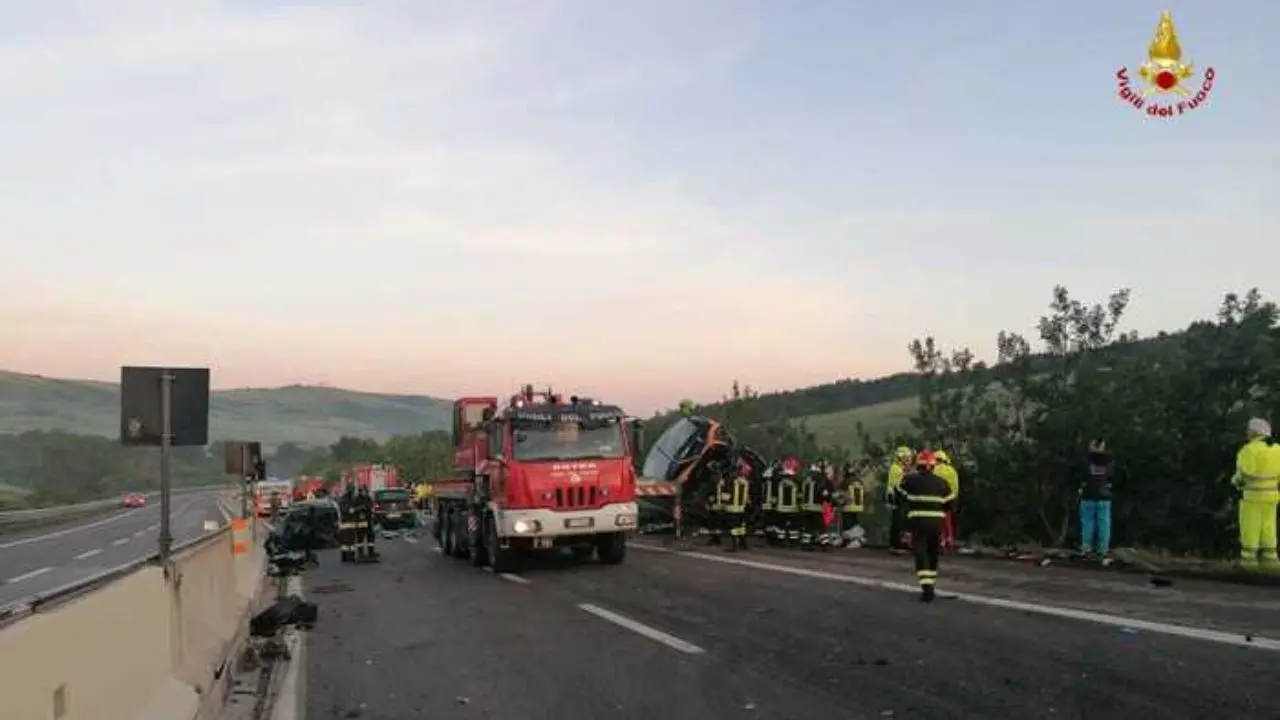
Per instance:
(880,420)
(304,415)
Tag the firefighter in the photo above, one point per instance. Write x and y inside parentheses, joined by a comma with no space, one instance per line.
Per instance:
(736,507)
(716,507)
(947,471)
(902,459)
(810,507)
(826,501)
(362,510)
(347,524)
(788,507)
(275,507)
(422,496)
(347,498)
(1257,476)
(926,497)
(851,504)
(769,505)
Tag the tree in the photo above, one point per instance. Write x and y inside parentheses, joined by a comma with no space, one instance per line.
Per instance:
(1172,409)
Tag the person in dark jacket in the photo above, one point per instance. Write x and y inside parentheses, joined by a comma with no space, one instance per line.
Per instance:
(927,497)
(1095,502)
(362,512)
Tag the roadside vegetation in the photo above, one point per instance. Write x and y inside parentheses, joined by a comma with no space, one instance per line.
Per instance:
(1172,408)
(50,467)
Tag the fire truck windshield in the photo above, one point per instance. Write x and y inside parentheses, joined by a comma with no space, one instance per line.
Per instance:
(568,441)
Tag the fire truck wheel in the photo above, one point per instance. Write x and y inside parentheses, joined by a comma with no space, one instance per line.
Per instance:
(612,548)
(446,533)
(502,560)
(478,556)
(458,526)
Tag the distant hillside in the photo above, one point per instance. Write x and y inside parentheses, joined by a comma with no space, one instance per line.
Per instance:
(299,414)
(880,420)
(883,405)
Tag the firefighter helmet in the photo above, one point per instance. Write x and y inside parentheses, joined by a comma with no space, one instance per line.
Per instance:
(790,465)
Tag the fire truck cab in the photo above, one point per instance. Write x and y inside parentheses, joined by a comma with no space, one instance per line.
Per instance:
(538,472)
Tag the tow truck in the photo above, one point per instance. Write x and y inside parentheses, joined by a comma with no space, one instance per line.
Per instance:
(538,473)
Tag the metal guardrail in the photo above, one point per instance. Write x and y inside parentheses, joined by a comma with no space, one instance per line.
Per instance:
(49,599)
(15,517)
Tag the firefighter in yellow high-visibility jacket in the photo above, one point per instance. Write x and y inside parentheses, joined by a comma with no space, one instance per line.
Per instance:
(903,458)
(735,509)
(946,470)
(1258,478)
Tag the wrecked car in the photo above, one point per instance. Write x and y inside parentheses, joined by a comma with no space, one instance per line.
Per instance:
(307,525)
(691,455)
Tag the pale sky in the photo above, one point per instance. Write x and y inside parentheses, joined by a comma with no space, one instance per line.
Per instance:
(638,199)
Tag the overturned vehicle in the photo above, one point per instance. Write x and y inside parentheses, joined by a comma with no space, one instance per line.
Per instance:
(688,459)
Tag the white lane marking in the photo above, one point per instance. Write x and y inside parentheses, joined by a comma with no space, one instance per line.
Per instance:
(119,542)
(515,578)
(99,523)
(87,555)
(68,531)
(140,533)
(411,540)
(640,628)
(1184,631)
(437,550)
(28,576)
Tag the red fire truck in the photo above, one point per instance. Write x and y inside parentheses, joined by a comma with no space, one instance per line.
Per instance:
(537,473)
(372,477)
(307,486)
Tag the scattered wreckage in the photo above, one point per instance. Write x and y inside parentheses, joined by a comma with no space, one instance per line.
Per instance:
(681,470)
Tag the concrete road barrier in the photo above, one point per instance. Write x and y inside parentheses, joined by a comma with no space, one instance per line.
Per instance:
(150,645)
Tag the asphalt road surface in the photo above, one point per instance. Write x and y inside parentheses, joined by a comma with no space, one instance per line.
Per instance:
(48,558)
(696,635)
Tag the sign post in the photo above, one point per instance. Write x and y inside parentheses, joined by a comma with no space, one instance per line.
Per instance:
(244,460)
(166,465)
(164,408)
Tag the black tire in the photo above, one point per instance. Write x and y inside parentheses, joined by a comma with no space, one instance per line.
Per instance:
(612,548)
(446,534)
(477,554)
(583,553)
(502,560)
(458,526)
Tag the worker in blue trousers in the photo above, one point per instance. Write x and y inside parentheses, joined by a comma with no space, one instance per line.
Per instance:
(1095,502)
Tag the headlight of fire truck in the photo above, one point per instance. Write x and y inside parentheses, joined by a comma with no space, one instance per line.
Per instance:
(525,527)
(625,520)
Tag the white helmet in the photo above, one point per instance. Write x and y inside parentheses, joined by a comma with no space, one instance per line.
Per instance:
(1259,428)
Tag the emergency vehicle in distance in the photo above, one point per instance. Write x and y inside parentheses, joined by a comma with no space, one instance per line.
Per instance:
(308,486)
(537,474)
(263,491)
(372,477)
